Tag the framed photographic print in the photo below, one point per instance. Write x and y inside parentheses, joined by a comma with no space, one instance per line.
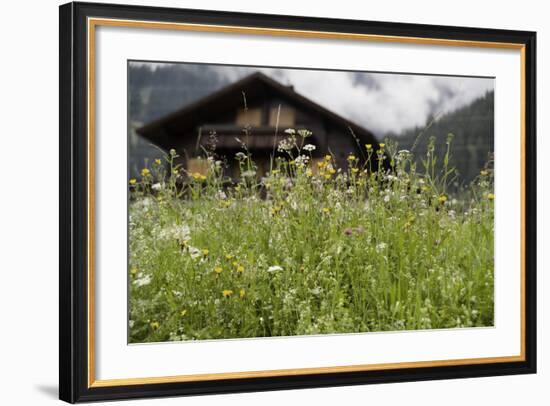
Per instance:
(256,202)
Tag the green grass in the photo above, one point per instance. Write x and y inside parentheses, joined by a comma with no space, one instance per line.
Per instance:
(308,249)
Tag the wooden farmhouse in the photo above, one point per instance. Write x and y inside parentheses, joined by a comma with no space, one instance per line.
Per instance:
(265,108)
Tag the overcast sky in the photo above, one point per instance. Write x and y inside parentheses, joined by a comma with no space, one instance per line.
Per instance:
(381,102)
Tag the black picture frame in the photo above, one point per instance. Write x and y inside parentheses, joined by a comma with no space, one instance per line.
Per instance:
(74,200)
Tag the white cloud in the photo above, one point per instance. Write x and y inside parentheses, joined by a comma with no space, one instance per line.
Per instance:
(380,102)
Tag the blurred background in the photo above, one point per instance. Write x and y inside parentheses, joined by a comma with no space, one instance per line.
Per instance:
(403,107)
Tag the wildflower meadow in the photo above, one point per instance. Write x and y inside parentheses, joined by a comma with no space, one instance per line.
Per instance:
(308,247)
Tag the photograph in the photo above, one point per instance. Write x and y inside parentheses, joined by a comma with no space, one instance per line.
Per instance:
(277,201)
(254,201)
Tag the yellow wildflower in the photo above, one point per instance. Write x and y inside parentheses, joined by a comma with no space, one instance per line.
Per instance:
(133,271)
(203,177)
(309,173)
(484,173)
(235,263)
(240,269)
(368,147)
(145,172)
(157,161)
(327,176)
(442,199)
(227,293)
(332,171)
(382,145)
(229,257)
(133,181)
(351,157)
(321,164)
(326,210)
(183,313)
(491,196)
(155,325)
(354,170)
(218,270)
(328,158)
(242,293)
(205,252)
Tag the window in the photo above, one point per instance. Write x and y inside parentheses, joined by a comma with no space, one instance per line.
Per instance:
(251,116)
(286,116)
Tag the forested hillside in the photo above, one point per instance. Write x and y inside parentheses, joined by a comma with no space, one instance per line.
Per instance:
(154,93)
(473,141)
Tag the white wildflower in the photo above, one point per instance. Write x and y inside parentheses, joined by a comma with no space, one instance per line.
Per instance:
(182,233)
(249,174)
(293,204)
(304,133)
(221,195)
(194,252)
(144,280)
(144,204)
(380,247)
(403,154)
(274,268)
(240,155)
(309,147)
(290,131)
(285,145)
(301,161)
(316,291)
(156,186)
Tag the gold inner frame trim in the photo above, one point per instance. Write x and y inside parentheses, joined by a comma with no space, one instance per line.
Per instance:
(94,22)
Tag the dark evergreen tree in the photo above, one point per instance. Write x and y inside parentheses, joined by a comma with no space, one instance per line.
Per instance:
(473,142)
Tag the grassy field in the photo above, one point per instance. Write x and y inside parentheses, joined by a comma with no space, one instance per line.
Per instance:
(309,248)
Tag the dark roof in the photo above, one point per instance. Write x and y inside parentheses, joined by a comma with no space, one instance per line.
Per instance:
(253,86)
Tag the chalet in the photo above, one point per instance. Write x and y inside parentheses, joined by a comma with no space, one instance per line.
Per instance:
(266,108)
